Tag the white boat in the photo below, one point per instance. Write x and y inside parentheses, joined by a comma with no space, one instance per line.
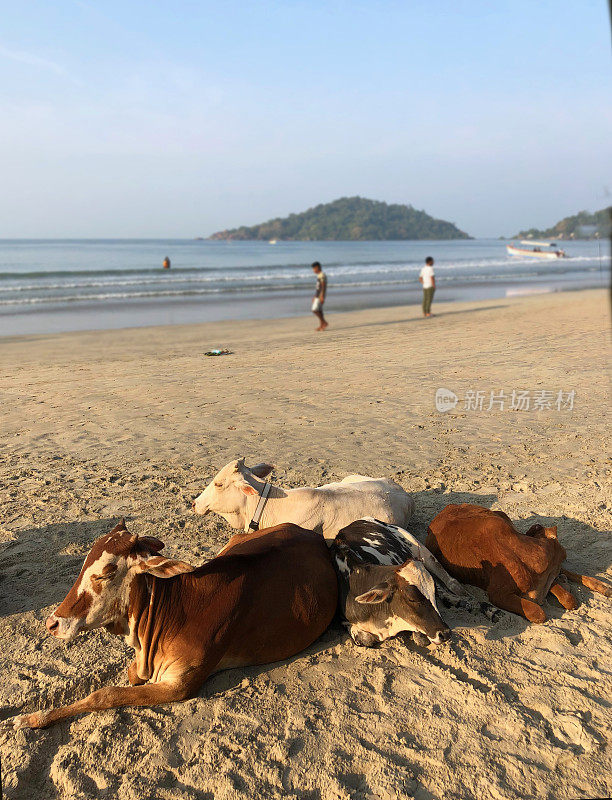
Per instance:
(272,241)
(536,251)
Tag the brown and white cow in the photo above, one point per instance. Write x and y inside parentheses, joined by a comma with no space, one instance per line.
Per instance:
(481,547)
(267,596)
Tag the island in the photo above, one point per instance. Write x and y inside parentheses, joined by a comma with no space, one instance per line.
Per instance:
(582,225)
(349,219)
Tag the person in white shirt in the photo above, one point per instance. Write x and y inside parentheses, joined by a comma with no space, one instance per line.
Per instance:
(427,278)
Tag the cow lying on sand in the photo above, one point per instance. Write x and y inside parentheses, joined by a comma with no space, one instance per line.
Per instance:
(379,602)
(481,547)
(268,596)
(243,498)
(386,585)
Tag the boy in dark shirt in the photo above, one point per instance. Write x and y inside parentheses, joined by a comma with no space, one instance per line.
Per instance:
(319,298)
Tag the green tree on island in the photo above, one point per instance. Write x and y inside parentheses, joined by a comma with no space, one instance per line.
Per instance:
(582,225)
(350,219)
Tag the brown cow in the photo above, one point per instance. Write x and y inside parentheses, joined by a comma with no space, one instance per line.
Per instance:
(267,596)
(481,547)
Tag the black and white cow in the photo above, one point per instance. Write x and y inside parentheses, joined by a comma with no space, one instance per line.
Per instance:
(386,585)
(382,601)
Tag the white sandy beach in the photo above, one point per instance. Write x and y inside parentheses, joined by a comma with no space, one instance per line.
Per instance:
(135,422)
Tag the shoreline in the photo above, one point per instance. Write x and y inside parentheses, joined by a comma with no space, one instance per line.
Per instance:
(37,321)
(98,286)
(345,315)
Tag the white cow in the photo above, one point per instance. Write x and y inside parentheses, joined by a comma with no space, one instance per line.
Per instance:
(235,493)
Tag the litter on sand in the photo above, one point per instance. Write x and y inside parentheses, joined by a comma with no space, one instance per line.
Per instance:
(218,353)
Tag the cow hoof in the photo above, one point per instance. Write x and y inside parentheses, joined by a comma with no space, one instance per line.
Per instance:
(28,721)
(491,612)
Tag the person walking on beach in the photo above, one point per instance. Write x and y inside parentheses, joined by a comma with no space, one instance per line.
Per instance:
(428,279)
(166,264)
(319,298)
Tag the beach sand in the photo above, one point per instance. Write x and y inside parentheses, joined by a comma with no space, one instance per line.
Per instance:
(135,423)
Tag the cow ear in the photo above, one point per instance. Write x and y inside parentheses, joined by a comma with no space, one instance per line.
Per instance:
(120,526)
(407,569)
(246,488)
(539,531)
(377,594)
(262,470)
(162,567)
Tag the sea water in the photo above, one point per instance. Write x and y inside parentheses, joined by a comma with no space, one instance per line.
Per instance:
(62,285)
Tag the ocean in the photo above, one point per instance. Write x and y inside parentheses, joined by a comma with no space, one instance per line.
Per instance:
(49,286)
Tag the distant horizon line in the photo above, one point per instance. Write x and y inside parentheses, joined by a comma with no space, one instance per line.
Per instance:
(229,241)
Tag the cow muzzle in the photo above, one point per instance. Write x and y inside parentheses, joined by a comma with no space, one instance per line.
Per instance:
(52,624)
(65,628)
(441,636)
(363,638)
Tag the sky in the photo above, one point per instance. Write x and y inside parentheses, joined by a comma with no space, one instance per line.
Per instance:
(158,119)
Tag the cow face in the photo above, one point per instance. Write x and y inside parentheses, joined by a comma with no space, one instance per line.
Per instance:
(227,493)
(100,594)
(384,601)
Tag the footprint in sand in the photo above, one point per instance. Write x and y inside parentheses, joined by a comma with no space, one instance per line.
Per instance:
(570,729)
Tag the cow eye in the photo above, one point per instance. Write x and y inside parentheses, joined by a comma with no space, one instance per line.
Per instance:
(413,595)
(105,577)
(218,485)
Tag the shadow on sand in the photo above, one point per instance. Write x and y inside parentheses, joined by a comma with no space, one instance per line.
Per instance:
(38,568)
(441,315)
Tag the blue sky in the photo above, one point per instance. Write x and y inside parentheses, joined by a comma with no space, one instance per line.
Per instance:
(177,119)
